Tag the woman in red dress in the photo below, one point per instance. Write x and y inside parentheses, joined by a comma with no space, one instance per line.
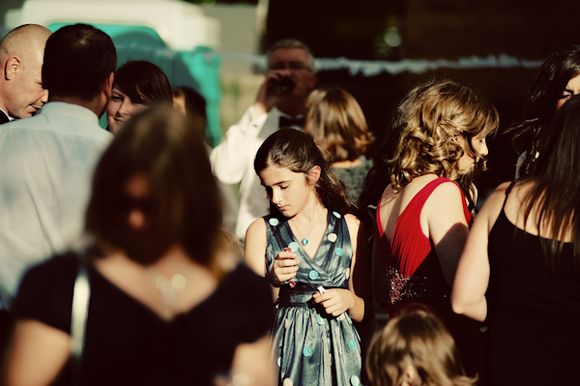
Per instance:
(422,218)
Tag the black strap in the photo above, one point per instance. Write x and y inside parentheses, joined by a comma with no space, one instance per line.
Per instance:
(507,192)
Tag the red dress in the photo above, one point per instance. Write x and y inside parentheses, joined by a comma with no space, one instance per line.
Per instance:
(414,274)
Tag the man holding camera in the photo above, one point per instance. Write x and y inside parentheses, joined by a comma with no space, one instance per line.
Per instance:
(281,102)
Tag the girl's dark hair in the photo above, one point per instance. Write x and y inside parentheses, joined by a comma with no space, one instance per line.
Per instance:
(143,82)
(555,192)
(182,201)
(296,150)
(540,105)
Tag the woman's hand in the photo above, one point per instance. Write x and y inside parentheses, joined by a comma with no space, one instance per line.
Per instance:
(284,268)
(335,300)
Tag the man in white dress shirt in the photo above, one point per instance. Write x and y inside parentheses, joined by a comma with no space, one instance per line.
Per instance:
(46,162)
(281,99)
(21,90)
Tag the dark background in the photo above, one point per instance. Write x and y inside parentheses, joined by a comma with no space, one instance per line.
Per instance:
(431,29)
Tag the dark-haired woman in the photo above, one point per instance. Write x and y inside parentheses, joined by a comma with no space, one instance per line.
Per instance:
(307,247)
(521,265)
(557,80)
(137,85)
(162,310)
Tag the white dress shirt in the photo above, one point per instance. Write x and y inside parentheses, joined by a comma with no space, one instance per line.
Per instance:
(46,166)
(233,162)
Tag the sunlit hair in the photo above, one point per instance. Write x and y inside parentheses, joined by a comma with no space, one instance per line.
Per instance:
(555,192)
(143,82)
(184,207)
(337,124)
(296,150)
(428,123)
(541,102)
(289,44)
(416,338)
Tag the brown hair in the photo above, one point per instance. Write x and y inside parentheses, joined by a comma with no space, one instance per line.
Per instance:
(337,124)
(296,150)
(419,339)
(183,205)
(427,122)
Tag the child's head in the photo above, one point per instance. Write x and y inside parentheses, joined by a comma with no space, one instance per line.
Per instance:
(441,128)
(337,123)
(415,349)
(298,171)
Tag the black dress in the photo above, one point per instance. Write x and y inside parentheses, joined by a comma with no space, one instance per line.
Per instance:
(534,313)
(127,344)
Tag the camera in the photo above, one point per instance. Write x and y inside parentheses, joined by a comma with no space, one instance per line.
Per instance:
(285,85)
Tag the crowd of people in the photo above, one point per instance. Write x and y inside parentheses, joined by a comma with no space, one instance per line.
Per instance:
(126,257)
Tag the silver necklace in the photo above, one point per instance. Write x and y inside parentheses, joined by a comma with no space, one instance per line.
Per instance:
(304,238)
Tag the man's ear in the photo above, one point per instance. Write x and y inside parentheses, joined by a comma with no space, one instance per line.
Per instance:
(314,174)
(108,85)
(11,67)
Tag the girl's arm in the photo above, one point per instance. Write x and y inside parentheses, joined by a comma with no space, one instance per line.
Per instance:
(255,247)
(36,354)
(471,281)
(338,300)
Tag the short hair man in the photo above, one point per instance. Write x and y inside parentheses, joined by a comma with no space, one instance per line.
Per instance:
(21,91)
(281,102)
(46,161)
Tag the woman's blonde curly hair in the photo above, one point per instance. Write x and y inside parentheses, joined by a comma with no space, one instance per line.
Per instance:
(428,121)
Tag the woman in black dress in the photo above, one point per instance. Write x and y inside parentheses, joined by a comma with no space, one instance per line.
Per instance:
(521,265)
(162,309)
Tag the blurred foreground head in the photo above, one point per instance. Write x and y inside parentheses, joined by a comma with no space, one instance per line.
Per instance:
(415,349)
(153,189)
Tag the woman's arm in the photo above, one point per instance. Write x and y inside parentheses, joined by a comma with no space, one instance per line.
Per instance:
(337,300)
(36,354)
(471,281)
(253,364)
(447,226)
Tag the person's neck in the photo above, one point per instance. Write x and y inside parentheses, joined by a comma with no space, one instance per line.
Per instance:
(95,105)
(311,212)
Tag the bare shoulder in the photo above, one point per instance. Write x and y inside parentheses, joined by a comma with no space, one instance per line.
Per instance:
(446,192)
(351,220)
(494,202)
(257,227)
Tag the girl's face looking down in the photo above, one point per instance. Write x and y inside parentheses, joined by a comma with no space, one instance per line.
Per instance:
(289,191)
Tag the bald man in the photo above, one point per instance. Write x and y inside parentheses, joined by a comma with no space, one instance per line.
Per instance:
(21,91)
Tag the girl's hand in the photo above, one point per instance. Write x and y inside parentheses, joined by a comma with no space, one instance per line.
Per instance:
(335,300)
(285,268)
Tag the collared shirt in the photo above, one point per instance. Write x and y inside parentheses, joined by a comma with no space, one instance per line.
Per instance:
(46,165)
(5,117)
(233,162)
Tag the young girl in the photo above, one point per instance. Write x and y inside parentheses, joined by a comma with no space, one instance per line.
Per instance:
(306,248)
(415,349)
